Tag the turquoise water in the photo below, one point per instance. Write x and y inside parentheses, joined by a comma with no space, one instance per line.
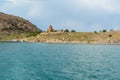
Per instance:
(40,61)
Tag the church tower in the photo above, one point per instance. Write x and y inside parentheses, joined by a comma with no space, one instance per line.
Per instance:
(50,28)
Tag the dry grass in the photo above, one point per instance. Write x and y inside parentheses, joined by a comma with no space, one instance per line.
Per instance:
(81,37)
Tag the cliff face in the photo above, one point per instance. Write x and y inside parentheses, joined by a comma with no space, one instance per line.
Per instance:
(13,24)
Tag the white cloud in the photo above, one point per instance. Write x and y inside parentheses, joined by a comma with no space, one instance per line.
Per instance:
(30,8)
(82,15)
(71,24)
(102,5)
(36,9)
(41,8)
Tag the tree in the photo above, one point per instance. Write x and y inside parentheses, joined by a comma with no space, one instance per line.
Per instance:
(95,31)
(55,30)
(73,31)
(62,30)
(111,30)
(104,30)
(66,30)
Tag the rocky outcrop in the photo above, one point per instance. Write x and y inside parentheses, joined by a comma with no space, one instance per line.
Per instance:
(10,24)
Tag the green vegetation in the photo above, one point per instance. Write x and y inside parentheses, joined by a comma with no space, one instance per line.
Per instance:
(77,37)
(6,36)
(67,37)
(104,30)
(111,30)
(13,27)
(61,30)
(33,34)
(73,31)
(110,35)
(95,31)
(66,30)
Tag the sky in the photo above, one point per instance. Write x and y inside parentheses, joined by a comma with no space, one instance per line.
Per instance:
(80,15)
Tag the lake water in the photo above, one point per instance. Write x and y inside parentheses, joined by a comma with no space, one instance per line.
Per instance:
(41,61)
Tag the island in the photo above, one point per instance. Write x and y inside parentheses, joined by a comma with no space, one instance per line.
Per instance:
(14,28)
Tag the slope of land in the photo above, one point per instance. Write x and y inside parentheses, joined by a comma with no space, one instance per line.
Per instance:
(112,37)
(15,27)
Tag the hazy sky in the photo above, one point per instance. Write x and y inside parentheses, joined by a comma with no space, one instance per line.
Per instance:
(81,15)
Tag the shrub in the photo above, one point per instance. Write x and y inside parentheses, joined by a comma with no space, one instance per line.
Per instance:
(104,30)
(62,30)
(66,30)
(111,30)
(55,30)
(95,31)
(33,34)
(110,35)
(73,31)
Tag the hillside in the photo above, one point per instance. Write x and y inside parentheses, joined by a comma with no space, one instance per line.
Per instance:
(112,37)
(15,27)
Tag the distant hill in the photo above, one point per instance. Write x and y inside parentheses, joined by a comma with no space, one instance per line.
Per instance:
(11,25)
(17,28)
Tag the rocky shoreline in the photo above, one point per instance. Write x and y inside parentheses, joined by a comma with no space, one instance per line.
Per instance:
(76,37)
(61,42)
